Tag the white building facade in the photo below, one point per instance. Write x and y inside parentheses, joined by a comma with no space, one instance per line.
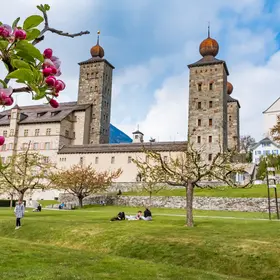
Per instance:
(270,117)
(263,148)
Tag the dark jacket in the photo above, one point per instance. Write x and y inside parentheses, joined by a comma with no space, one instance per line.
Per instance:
(147,213)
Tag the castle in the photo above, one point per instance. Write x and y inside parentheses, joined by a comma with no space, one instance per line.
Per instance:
(78,132)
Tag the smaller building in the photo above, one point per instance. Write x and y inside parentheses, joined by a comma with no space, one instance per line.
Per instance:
(263,148)
(270,117)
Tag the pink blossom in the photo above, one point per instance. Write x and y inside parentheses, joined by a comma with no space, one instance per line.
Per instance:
(54,103)
(2,140)
(47,63)
(47,71)
(50,81)
(56,62)
(9,101)
(6,30)
(48,53)
(59,85)
(20,34)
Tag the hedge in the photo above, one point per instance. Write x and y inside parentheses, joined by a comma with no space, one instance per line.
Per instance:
(6,203)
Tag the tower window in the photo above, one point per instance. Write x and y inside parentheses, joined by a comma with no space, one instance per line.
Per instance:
(95,88)
(210,104)
(198,139)
(211,86)
(210,139)
(199,87)
(112,160)
(210,122)
(198,105)
(229,118)
(199,122)
(210,157)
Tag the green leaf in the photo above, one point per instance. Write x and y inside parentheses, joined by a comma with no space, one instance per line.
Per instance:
(32,21)
(47,7)
(29,49)
(15,22)
(35,88)
(41,8)
(26,56)
(18,63)
(3,83)
(40,95)
(4,44)
(22,74)
(32,34)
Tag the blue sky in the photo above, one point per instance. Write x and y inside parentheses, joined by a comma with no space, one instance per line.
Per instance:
(151,43)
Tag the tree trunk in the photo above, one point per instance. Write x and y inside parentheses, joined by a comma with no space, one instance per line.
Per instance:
(11,201)
(80,201)
(150,200)
(21,195)
(189,207)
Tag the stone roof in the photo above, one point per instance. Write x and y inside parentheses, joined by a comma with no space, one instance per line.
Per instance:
(209,60)
(123,147)
(29,114)
(96,59)
(230,99)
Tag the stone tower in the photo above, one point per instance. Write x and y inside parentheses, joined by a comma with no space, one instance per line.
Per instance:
(207,122)
(95,87)
(233,107)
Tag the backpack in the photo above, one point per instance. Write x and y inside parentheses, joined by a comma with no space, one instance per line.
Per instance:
(121,215)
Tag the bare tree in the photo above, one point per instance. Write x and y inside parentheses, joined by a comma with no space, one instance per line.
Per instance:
(151,182)
(82,181)
(246,141)
(188,169)
(25,171)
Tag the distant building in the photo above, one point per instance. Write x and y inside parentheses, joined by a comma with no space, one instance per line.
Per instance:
(263,148)
(270,117)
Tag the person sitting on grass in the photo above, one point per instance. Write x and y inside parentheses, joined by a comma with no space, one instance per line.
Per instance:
(19,213)
(147,215)
(61,205)
(38,209)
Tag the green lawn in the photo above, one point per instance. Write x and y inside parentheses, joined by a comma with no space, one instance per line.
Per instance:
(83,244)
(254,191)
(45,203)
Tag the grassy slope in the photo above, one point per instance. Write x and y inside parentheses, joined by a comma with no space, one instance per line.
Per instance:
(82,244)
(255,191)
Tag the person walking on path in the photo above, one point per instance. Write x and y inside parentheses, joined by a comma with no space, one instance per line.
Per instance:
(19,213)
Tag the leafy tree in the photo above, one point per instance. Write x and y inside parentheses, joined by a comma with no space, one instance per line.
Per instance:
(26,171)
(246,141)
(36,72)
(82,181)
(188,169)
(275,131)
(268,160)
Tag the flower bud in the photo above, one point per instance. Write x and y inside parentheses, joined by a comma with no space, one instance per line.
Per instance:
(54,103)
(48,53)
(47,71)
(59,85)
(50,81)
(2,140)
(20,34)
(9,101)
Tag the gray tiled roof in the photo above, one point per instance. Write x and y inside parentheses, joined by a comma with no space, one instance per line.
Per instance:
(208,60)
(230,99)
(123,147)
(96,59)
(29,114)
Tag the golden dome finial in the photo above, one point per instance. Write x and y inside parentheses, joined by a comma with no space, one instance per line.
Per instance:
(98,33)
(97,50)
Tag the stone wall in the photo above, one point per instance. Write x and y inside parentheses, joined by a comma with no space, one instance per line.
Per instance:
(200,203)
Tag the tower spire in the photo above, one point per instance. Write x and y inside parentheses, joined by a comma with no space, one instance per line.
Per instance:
(208,29)
(98,33)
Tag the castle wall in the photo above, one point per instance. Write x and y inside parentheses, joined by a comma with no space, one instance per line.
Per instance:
(207,124)
(233,126)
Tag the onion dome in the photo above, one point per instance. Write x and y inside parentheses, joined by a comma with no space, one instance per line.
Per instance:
(229,88)
(209,46)
(97,50)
